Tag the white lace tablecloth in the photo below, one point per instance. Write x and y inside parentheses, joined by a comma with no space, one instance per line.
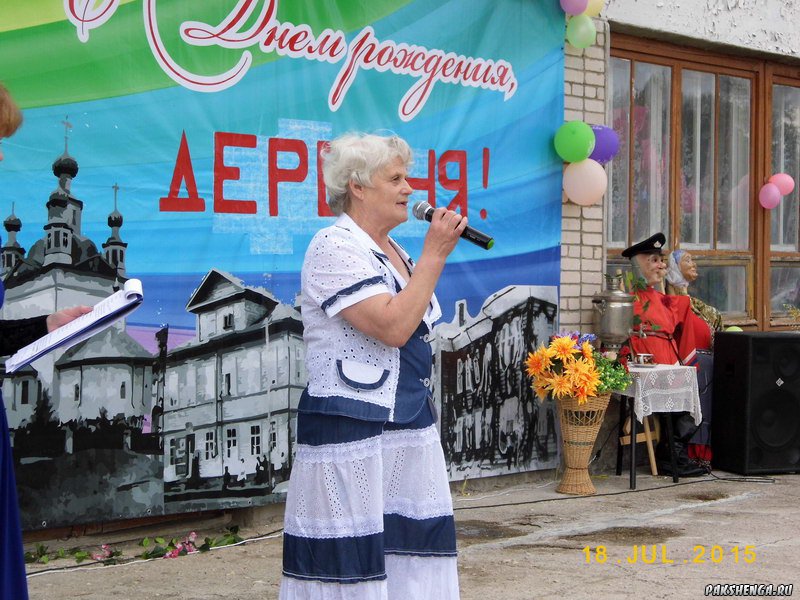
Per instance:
(664,388)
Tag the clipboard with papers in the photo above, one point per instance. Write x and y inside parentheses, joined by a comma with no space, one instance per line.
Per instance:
(103,315)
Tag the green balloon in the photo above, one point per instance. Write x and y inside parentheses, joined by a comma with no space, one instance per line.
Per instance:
(581,32)
(574,141)
(734,328)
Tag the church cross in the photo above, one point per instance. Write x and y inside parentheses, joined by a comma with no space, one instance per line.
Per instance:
(67,127)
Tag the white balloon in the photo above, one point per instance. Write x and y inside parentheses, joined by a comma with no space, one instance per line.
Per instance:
(585,182)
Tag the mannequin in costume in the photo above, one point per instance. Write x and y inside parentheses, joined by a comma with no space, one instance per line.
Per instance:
(667,328)
(681,273)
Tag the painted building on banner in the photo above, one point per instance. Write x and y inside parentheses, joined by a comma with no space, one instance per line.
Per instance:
(61,269)
(78,417)
(491,422)
(704,98)
(230,397)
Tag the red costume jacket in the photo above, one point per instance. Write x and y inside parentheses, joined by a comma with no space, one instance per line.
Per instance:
(679,331)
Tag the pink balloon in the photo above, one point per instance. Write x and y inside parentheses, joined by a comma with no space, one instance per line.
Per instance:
(769,196)
(585,182)
(574,7)
(784,182)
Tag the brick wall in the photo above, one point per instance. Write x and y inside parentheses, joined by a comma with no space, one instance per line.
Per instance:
(582,237)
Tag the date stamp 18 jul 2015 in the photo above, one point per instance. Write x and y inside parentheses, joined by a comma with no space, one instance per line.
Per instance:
(650,554)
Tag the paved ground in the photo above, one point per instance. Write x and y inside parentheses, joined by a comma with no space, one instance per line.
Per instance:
(518,539)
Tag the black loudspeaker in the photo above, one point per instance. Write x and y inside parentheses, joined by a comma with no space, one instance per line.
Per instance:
(756,406)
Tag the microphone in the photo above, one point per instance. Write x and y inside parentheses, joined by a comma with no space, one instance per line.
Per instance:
(424,212)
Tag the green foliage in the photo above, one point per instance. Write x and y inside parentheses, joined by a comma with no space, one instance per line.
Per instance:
(634,285)
(794,314)
(156,547)
(613,376)
(231,537)
(42,555)
(39,555)
(157,551)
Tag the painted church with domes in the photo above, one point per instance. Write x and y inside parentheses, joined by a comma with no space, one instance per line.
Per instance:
(108,376)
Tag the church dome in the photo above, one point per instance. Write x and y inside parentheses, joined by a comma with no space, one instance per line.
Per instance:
(115,219)
(65,164)
(12,223)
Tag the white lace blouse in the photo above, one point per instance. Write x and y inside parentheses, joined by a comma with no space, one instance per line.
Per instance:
(349,372)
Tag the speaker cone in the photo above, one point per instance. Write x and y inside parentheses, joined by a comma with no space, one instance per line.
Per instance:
(786,361)
(776,420)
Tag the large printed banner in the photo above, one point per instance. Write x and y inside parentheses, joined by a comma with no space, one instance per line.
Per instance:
(178,141)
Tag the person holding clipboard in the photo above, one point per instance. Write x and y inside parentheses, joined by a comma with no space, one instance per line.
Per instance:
(14,335)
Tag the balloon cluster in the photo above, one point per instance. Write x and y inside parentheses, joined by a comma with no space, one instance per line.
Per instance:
(777,186)
(581,32)
(586,148)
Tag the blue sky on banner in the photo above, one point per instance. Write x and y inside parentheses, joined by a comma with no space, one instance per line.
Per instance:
(512,174)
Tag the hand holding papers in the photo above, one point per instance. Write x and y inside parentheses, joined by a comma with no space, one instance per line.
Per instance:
(103,315)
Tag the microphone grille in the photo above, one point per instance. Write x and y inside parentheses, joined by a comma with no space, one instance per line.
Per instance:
(419,210)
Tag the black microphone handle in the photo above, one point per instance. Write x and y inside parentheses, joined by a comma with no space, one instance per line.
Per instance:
(470,233)
(478,238)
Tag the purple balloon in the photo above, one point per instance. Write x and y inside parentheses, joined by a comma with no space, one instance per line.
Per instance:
(574,7)
(606,144)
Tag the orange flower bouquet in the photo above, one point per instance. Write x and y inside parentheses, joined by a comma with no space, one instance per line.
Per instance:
(571,367)
(580,378)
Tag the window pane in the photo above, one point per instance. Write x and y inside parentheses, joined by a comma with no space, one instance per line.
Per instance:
(785,287)
(733,176)
(697,159)
(786,159)
(723,287)
(617,217)
(651,138)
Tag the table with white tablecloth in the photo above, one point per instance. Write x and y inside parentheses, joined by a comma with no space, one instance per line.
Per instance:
(660,389)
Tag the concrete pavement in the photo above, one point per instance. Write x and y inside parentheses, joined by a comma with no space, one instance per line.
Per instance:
(518,539)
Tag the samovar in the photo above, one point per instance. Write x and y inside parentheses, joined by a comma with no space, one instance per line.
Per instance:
(613,313)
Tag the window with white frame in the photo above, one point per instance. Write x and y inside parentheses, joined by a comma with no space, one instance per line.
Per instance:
(255,440)
(273,435)
(231,450)
(211,445)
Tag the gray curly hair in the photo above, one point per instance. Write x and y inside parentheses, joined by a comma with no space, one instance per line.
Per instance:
(357,157)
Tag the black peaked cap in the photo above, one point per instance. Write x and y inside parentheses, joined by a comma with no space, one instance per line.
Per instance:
(652,245)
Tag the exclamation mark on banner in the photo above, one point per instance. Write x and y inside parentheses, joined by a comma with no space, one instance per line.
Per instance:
(483,212)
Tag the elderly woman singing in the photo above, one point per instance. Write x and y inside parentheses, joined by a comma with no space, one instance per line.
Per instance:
(368,512)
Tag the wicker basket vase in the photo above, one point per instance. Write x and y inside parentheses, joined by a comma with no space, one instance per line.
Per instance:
(580,424)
